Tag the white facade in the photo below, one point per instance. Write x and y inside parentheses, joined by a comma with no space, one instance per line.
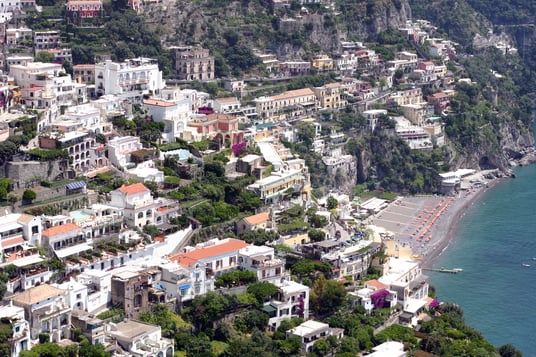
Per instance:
(20,341)
(46,309)
(76,294)
(119,149)
(404,276)
(291,301)
(146,171)
(372,117)
(89,117)
(99,289)
(140,339)
(51,76)
(137,202)
(311,331)
(261,260)
(134,77)
(175,115)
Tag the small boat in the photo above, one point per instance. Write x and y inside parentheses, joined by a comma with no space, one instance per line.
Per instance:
(526,265)
(533,258)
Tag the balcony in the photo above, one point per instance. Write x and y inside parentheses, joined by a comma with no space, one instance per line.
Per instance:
(132,82)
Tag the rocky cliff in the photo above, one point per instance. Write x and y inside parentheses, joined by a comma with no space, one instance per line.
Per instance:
(288,31)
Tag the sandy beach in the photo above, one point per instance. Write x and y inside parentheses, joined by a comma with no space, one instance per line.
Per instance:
(428,224)
(446,227)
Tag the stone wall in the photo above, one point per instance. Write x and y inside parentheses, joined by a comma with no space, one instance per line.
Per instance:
(25,173)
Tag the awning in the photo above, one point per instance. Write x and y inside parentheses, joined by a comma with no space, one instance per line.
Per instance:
(62,253)
(268,308)
(12,242)
(184,287)
(32,259)
(75,185)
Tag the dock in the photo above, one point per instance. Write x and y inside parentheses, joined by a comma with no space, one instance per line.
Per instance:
(445,270)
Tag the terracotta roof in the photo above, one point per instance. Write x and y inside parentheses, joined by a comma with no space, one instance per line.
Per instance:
(63,228)
(258,218)
(33,88)
(159,102)
(190,258)
(293,93)
(36,294)
(219,116)
(25,218)
(227,100)
(84,65)
(376,284)
(132,189)
(439,95)
(12,242)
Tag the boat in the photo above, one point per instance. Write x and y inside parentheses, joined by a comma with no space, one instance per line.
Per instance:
(533,258)
(526,265)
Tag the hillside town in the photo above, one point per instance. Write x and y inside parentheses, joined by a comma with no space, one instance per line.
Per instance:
(113,178)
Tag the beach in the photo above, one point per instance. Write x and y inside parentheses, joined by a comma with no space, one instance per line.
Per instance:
(428,224)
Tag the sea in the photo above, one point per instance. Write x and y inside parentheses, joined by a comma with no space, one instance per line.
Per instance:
(494,242)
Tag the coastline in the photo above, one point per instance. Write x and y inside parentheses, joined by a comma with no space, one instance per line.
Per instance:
(446,227)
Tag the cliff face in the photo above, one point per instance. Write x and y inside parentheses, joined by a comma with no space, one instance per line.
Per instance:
(286,31)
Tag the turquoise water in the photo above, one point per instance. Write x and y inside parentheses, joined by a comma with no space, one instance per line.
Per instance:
(496,236)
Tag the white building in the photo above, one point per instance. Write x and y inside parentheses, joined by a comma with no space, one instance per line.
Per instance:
(311,331)
(146,171)
(89,116)
(47,311)
(207,260)
(140,339)
(388,349)
(132,78)
(99,289)
(119,149)
(261,260)
(404,276)
(372,117)
(50,76)
(20,341)
(291,301)
(137,204)
(174,114)
(67,239)
(76,294)
(226,105)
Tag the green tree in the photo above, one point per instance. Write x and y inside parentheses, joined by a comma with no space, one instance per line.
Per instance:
(327,296)
(170,322)
(4,187)
(86,349)
(151,230)
(509,350)
(45,57)
(332,203)
(259,236)
(262,291)
(321,348)
(29,195)
(316,235)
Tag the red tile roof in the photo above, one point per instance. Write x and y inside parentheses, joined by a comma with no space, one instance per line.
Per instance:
(258,218)
(12,242)
(376,284)
(190,258)
(134,188)
(160,102)
(63,228)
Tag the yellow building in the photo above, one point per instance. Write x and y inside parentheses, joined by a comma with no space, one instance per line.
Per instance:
(331,96)
(302,238)
(323,63)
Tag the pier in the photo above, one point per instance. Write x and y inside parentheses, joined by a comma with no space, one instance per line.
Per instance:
(445,270)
